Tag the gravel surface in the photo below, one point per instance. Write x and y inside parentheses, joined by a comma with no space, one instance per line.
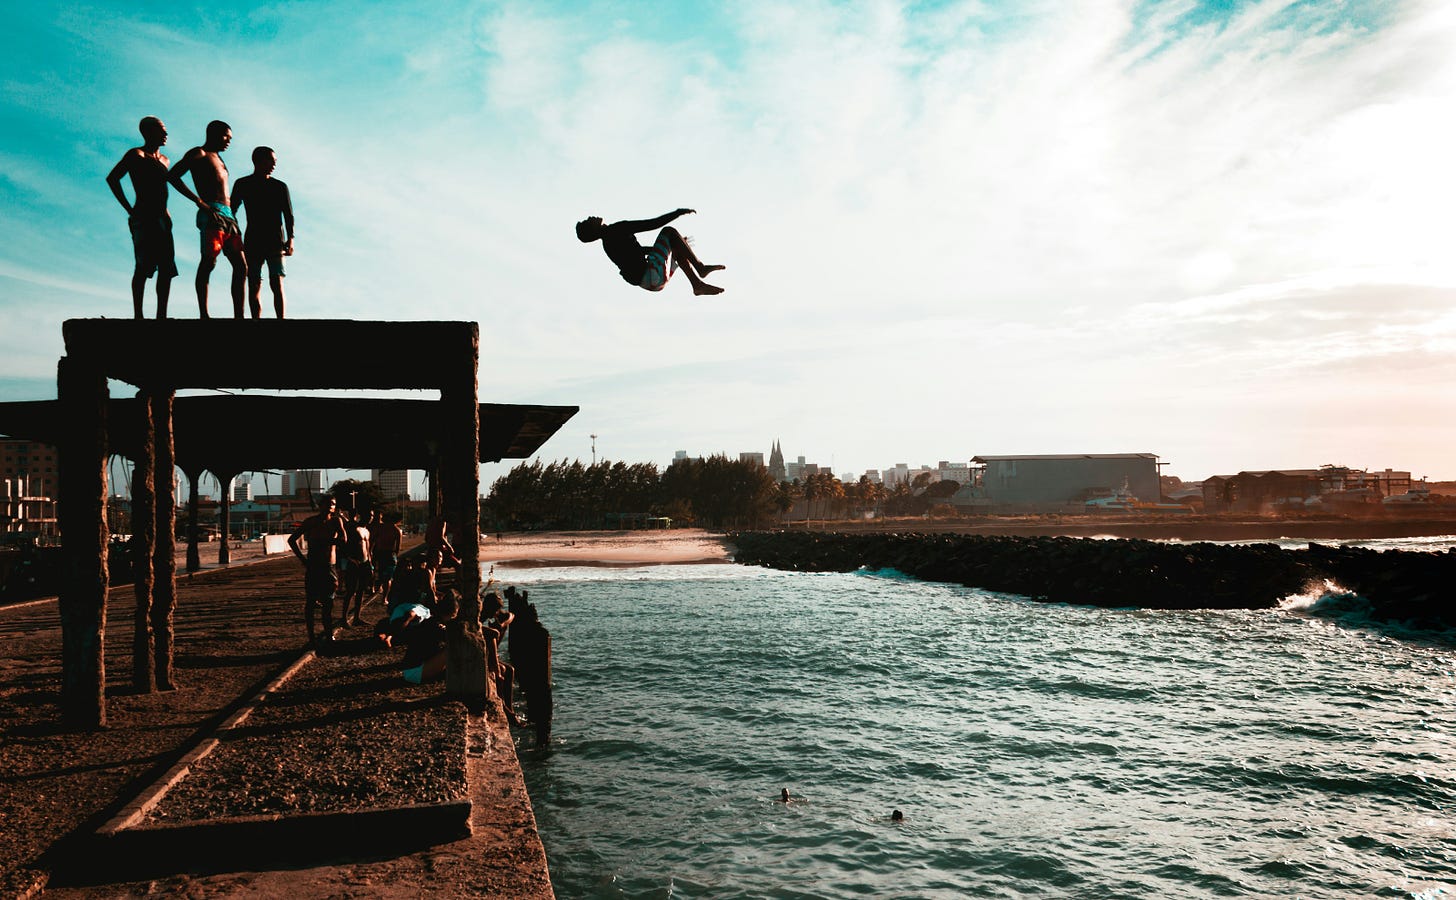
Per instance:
(344,733)
(236,630)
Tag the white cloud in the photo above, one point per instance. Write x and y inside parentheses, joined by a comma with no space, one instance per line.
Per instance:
(1060,229)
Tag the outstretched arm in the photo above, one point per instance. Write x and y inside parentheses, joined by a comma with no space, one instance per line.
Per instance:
(654,224)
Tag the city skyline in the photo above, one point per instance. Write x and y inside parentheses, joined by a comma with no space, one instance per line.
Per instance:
(1215,231)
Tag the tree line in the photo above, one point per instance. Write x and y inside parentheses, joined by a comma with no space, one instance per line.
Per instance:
(715,492)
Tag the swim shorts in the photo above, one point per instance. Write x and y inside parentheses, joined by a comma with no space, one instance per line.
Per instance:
(320,584)
(415,675)
(387,563)
(219,230)
(260,254)
(660,264)
(151,241)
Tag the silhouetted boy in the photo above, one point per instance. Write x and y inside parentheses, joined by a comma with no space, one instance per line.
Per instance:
(151,226)
(648,267)
(220,233)
(269,238)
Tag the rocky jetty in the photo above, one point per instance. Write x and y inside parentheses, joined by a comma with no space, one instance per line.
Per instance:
(1124,573)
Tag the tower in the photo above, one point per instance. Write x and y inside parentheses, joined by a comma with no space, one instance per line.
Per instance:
(776,463)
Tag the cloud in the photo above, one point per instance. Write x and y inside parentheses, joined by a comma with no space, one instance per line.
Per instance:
(1119,208)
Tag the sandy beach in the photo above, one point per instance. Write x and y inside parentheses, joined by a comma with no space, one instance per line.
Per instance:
(603,548)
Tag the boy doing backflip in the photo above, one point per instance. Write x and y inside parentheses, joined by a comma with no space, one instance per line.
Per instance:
(269,238)
(215,218)
(151,226)
(648,267)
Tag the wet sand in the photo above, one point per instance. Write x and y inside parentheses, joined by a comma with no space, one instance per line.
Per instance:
(603,548)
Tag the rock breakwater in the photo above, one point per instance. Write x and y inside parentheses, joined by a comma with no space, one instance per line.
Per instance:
(1124,573)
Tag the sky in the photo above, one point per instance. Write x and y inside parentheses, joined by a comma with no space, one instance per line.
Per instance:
(1216,231)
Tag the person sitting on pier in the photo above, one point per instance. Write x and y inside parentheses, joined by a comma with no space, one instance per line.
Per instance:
(320,533)
(494,622)
(441,552)
(424,644)
(649,267)
(410,600)
(151,226)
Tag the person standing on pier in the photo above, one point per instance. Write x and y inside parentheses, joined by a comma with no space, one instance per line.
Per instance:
(151,226)
(220,233)
(321,534)
(269,237)
(649,267)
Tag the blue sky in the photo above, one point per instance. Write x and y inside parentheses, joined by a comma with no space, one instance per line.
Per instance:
(1219,232)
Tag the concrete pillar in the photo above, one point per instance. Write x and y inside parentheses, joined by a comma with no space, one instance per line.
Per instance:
(432,490)
(81,389)
(194,500)
(144,540)
(459,469)
(225,520)
(164,559)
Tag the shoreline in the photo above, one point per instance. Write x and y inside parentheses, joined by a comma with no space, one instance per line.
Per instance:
(701,546)
(604,549)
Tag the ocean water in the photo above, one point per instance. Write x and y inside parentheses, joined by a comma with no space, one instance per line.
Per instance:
(1035,751)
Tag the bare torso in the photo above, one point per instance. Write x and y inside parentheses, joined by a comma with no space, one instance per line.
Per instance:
(386,539)
(148,172)
(209,175)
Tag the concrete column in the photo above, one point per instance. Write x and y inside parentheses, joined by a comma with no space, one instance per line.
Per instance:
(144,540)
(164,593)
(459,468)
(194,500)
(81,389)
(225,521)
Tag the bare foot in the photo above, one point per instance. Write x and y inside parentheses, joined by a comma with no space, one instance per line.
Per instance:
(706,269)
(705,288)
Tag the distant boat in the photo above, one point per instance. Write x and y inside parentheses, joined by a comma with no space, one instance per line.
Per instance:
(1123,500)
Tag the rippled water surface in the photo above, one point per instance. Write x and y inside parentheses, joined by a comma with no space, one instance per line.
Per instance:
(1035,750)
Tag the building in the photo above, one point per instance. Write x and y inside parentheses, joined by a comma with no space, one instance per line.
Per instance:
(308,480)
(242,489)
(751,458)
(776,467)
(958,472)
(393,483)
(1289,489)
(28,487)
(1053,482)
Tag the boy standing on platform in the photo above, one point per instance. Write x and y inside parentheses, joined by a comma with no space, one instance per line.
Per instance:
(151,226)
(220,233)
(269,237)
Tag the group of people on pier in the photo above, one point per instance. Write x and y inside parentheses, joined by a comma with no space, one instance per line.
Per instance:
(264,200)
(347,555)
(356,556)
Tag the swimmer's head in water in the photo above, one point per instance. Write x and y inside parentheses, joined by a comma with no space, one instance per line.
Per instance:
(897,816)
(785,796)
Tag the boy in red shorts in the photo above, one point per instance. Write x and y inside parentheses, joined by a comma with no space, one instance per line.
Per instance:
(220,232)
